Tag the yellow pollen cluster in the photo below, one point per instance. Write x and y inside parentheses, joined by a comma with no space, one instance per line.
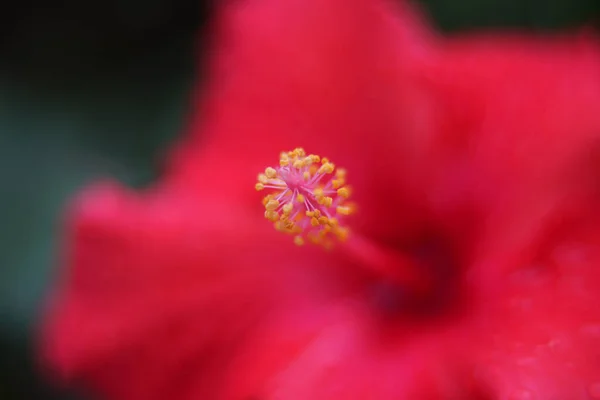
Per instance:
(308,197)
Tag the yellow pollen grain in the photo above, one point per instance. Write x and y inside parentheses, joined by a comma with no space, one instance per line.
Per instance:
(272,205)
(270,173)
(298,164)
(259,186)
(287,208)
(318,192)
(323,221)
(341,233)
(271,215)
(337,183)
(310,214)
(298,240)
(284,163)
(262,178)
(266,199)
(343,210)
(300,198)
(306,175)
(326,168)
(314,222)
(343,192)
(325,201)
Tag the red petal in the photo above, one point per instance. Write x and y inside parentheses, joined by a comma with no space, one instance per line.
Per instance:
(519,134)
(538,333)
(333,76)
(162,288)
(525,113)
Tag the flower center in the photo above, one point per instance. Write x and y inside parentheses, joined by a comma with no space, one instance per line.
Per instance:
(308,199)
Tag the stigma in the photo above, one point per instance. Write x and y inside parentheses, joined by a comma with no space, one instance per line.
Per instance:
(308,198)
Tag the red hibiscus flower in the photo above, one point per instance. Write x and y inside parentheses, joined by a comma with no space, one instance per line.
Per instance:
(468,270)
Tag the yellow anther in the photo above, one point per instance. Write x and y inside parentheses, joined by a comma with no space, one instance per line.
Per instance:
(272,205)
(343,210)
(341,233)
(287,208)
(317,213)
(323,221)
(298,240)
(287,224)
(262,178)
(325,201)
(298,164)
(337,183)
(315,158)
(271,215)
(270,173)
(340,173)
(313,169)
(266,199)
(343,192)
(259,186)
(325,230)
(333,222)
(318,192)
(314,221)
(326,168)
(310,214)
(284,163)
(306,175)
(279,225)
(300,198)
(299,152)
(324,160)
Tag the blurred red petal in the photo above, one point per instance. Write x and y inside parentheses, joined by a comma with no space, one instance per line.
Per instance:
(519,131)
(335,77)
(158,284)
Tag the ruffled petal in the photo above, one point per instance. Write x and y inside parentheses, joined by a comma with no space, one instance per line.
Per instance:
(161,288)
(336,77)
(520,123)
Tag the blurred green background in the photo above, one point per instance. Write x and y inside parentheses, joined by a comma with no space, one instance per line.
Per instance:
(100,88)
